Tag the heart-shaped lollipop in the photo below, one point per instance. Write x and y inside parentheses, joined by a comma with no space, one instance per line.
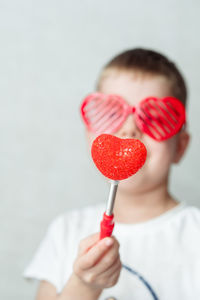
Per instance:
(118,158)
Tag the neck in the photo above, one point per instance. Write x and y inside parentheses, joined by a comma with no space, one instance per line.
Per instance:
(142,206)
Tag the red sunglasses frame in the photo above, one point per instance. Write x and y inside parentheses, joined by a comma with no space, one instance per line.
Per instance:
(173,119)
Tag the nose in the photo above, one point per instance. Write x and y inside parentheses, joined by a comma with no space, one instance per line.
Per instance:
(129,129)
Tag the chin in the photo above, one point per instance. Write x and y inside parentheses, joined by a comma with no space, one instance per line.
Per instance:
(136,183)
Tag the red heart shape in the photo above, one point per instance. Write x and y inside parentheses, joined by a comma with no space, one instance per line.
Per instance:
(118,158)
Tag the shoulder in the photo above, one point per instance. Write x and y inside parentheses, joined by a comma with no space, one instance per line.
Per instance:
(186,234)
(191,217)
(76,213)
(191,212)
(80,221)
(185,228)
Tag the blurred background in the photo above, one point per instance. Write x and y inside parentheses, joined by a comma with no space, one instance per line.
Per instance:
(50,56)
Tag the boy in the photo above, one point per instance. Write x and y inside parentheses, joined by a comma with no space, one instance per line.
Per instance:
(154,253)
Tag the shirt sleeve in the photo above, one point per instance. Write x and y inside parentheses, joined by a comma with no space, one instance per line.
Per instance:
(45,262)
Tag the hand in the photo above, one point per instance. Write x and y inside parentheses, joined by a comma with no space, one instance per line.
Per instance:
(98,262)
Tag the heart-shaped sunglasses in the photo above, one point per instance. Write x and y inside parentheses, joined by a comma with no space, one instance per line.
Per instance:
(159,118)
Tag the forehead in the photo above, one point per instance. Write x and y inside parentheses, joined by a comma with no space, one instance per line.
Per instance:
(134,86)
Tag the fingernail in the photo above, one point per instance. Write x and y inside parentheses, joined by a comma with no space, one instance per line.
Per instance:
(108,241)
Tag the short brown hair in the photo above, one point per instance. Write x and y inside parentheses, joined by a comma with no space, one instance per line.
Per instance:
(151,62)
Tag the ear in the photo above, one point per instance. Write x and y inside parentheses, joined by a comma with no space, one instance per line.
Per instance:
(183,139)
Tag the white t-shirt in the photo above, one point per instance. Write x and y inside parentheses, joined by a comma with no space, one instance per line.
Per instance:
(161,257)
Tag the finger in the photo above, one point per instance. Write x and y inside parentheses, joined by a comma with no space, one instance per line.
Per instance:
(113,278)
(108,277)
(92,276)
(101,268)
(112,269)
(108,259)
(90,258)
(87,243)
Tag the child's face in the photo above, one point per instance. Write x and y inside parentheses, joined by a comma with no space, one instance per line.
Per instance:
(134,87)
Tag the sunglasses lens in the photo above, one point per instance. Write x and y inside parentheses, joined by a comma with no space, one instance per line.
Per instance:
(161,119)
(102,113)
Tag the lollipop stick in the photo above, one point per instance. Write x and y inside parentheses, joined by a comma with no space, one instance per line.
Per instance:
(107,224)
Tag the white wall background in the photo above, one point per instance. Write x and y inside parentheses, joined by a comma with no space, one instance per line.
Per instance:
(50,55)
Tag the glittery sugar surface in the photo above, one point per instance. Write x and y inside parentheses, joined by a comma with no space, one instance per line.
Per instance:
(117,158)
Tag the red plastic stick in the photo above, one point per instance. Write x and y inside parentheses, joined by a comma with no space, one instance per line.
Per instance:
(107,225)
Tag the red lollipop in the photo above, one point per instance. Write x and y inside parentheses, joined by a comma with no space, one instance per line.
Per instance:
(116,159)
